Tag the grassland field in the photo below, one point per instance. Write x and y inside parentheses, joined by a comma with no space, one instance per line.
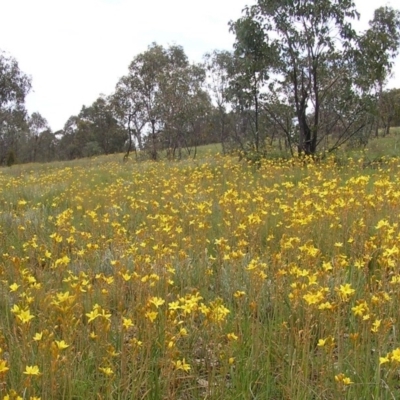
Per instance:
(202,279)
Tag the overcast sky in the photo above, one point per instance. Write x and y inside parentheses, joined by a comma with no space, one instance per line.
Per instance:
(77,49)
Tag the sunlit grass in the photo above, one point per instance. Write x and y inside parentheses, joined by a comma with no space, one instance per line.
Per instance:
(206,278)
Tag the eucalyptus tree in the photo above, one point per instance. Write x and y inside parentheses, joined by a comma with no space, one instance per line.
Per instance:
(135,97)
(37,125)
(105,131)
(255,57)
(313,68)
(183,103)
(378,47)
(14,86)
(74,137)
(236,81)
(46,151)
(160,99)
(389,110)
(219,67)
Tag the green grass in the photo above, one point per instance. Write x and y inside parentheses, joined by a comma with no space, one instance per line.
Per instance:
(233,281)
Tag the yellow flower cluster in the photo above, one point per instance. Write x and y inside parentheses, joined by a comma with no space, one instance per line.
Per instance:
(199,280)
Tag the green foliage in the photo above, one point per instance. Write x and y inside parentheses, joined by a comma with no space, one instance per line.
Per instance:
(389,110)
(11,160)
(378,47)
(91,149)
(95,130)
(317,64)
(14,86)
(162,102)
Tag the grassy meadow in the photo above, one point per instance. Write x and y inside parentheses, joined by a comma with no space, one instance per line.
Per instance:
(200,279)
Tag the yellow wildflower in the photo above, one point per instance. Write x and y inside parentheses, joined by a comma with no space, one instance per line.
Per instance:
(14,287)
(32,370)
(383,360)
(106,371)
(395,355)
(38,337)
(126,322)
(61,344)
(25,316)
(345,291)
(157,301)
(151,315)
(3,366)
(182,365)
(231,336)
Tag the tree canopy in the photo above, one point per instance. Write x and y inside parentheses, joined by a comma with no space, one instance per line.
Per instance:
(14,86)
(317,65)
(299,76)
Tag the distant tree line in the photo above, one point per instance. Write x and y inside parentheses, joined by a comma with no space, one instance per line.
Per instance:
(299,78)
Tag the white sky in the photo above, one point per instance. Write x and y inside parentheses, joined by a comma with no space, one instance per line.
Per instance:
(77,49)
